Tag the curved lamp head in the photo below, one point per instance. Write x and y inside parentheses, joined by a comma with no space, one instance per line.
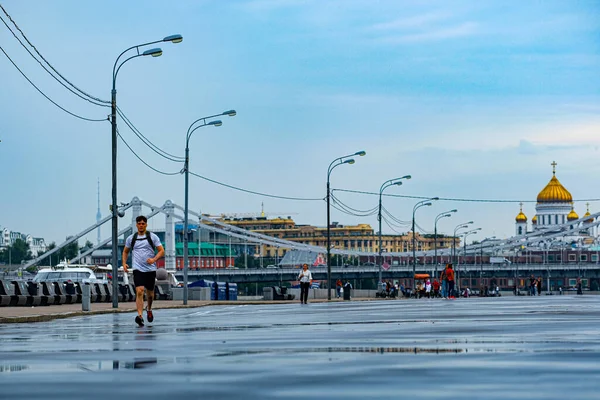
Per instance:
(156,52)
(173,39)
(349,161)
(406,177)
(360,153)
(230,113)
(215,123)
(470,222)
(434,198)
(397,183)
(446,215)
(427,204)
(453,211)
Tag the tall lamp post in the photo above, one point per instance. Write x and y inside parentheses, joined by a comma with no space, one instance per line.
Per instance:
(113,121)
(334,163)
(422,203)
(386,184)
(445,214)
(481,256)
(458,227)
(186,171)
(472,231)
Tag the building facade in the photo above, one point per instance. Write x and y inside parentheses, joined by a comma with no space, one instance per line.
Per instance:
(37,246)
(359,237)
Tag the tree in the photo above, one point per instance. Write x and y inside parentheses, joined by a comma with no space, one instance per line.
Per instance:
(48,260)
(17,252)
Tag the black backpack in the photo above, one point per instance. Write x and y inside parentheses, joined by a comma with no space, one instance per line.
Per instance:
(134,239)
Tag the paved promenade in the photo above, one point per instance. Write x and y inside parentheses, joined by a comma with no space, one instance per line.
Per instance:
(545,347)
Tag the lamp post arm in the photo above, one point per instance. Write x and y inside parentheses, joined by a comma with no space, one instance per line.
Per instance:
(115,73)
(137,47)
(187,139)
(200,119)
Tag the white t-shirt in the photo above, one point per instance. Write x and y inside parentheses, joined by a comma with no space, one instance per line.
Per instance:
(305,276)
(143,251)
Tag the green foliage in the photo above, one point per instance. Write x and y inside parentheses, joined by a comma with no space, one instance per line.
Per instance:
(15,253)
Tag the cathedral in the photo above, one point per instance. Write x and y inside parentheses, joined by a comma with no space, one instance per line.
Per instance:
(554,207)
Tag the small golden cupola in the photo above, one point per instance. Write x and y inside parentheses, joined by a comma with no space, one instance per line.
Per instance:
(572,215)
(521,218)
(554,192)
(534,220)
(587,214)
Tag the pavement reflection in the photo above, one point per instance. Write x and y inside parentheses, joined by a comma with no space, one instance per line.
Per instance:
(475,348)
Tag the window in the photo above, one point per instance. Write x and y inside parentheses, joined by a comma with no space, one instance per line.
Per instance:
(583,257)
(594,257)
(572,257)
(550,257)
(556,219)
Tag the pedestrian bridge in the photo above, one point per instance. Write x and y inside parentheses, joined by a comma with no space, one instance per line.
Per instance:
(590,270)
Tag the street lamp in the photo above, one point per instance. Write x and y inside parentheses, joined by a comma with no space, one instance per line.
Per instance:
(186,170)
(113,121)
(472,231)
(439,216)
(422,203)
(334,163)
(459,226)
(386,184)
(481,256)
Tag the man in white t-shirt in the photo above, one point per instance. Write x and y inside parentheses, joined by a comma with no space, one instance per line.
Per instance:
(142,245)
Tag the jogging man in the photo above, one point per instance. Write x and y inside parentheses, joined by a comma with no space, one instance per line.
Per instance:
(143,244)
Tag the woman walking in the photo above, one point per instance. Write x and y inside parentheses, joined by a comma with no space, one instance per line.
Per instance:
(305,278)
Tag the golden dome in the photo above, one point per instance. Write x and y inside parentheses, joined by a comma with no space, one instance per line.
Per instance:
(587,214)
(554,192)
(572,215)
(520,216)
(534,220)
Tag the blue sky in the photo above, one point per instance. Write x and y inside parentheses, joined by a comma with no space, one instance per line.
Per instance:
(473,99)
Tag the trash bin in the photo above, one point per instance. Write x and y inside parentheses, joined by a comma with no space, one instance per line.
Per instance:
(347,290)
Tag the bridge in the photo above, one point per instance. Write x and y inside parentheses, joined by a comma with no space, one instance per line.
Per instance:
(589,270)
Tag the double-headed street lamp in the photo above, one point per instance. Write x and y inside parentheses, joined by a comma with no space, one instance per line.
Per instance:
(422,203)
(186,170)
(113,120)
(481,254)
(458,227)
(445,214)
(386,184)
(472,231)
(334,163)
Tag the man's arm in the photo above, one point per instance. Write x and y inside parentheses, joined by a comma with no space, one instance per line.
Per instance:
(159,255)
(124,258)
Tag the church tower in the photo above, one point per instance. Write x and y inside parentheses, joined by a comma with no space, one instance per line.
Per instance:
(554,204)
(521,223)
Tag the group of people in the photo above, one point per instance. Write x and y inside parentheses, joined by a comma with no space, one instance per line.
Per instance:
(535,286)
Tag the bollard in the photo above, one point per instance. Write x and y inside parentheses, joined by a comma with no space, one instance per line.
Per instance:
(85,297)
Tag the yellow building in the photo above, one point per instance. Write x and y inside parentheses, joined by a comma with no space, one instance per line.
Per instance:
(359,237)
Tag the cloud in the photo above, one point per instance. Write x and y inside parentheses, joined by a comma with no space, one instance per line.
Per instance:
(416,21)
(462,30)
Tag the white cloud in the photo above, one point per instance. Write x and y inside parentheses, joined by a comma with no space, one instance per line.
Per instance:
(457,31)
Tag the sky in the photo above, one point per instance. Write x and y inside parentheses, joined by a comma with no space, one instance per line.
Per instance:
(475,100)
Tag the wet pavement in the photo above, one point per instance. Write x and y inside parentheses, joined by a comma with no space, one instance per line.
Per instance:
(494,348)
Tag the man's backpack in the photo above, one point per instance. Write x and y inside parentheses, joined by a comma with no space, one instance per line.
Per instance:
(134,239)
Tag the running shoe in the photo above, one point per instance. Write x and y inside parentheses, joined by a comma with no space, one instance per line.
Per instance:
(139,320)
(150,316)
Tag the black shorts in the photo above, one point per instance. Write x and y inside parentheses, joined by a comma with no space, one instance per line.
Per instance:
(145,279)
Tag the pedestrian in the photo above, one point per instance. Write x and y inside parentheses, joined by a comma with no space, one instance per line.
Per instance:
(428,288)
(539,286)
(450,277)
(444,281)
(338,288)
(532,285)
(146,249)
(305,278)
(436,288)
(579,287)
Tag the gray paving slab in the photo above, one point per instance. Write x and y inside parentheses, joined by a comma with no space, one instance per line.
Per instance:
(496,348)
